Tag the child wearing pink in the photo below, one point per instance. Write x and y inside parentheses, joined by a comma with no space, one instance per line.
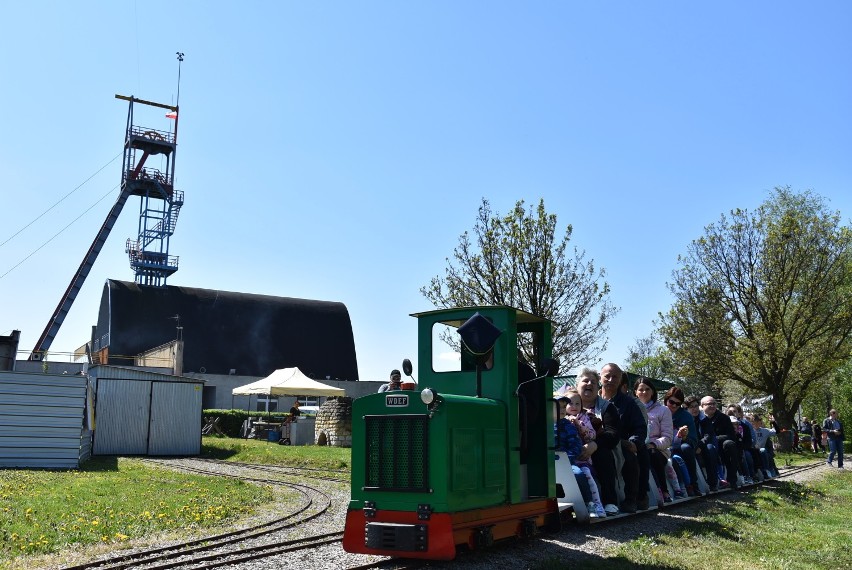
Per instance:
(578,416)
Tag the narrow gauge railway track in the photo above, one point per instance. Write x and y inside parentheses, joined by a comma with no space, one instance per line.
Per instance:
(306,472)
(225,548)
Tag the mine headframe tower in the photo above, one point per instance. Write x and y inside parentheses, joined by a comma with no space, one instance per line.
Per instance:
(158,212)
(160,203)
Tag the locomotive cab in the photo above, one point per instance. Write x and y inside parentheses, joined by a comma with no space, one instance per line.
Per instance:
(468,459)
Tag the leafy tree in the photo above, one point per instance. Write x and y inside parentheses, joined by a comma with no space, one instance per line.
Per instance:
(841,396)
(835,392)
(518,260)
(648,358)
(762,300)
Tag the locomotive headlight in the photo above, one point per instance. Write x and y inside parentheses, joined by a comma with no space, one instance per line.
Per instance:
(428,395)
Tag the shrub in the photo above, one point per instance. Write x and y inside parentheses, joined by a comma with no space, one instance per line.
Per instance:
(230,421)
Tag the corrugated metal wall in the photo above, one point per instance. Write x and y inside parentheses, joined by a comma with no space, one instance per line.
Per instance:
(145,413)
(121,417)
(41,420)
(175,419)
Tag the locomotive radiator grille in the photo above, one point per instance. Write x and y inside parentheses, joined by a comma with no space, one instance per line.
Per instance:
(397,453)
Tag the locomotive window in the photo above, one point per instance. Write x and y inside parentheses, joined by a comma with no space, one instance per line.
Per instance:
(446,354)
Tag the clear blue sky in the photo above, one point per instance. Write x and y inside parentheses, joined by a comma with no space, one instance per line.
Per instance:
(337,150)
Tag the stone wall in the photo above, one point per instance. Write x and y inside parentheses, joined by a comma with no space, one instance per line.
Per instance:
(334,423)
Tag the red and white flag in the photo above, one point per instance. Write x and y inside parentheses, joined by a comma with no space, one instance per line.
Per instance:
(171,115)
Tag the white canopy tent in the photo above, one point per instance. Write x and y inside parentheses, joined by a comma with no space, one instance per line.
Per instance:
(287,382)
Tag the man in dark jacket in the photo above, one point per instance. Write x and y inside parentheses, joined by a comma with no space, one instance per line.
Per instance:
(834,428)
(726,435)
(633,432)
(707,452)
(601,450)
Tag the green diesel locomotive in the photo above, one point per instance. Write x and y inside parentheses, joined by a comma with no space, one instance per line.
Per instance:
(467,458)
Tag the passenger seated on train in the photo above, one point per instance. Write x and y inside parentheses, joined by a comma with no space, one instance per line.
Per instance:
(659,435)
(643,459)
(743,439)
(582,482)
(633,431)
(750,452)
(601,450)
(726,435)
(707,452)
(764,445)
(574,429)
(684,440)
(678,466)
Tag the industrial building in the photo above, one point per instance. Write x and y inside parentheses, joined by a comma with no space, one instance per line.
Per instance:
(159,353)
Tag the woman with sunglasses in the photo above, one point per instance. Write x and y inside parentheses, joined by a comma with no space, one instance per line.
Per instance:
(685,441)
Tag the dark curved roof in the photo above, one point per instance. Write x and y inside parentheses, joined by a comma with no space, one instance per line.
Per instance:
(222,330)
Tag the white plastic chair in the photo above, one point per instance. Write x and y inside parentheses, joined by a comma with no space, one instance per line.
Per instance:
(573,497)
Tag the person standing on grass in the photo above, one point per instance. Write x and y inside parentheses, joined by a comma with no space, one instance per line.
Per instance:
(834,428)
(816,443)
(295,412)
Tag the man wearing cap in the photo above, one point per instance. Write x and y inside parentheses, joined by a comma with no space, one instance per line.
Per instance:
(395,382)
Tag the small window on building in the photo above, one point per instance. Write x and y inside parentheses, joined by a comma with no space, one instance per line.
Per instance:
(262,403)
(308,400)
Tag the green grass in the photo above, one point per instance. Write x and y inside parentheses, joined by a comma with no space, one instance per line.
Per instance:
(785,526)
(797,458)
(264,452)
(111,501)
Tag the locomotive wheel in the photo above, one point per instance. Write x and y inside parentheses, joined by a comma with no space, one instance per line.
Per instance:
(528,528)
(483,537)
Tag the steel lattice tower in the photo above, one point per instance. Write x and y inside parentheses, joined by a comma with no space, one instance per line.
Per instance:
(160,203)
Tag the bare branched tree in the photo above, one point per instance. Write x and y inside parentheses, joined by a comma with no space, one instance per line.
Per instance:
(517,260)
